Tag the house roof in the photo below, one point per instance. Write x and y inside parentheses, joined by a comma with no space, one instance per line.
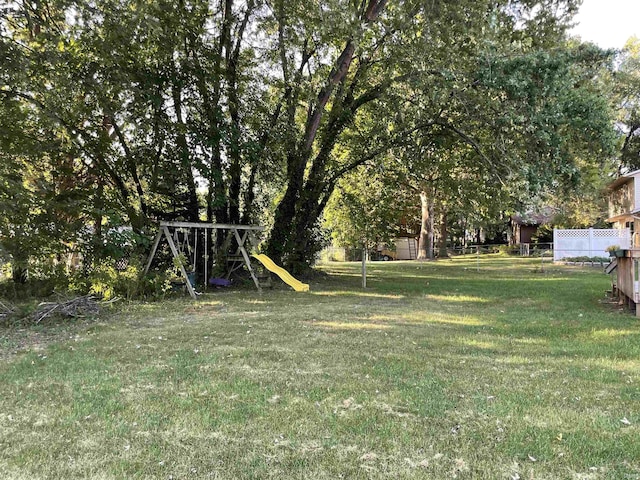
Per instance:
(625,216)
(622,179)
(619,218)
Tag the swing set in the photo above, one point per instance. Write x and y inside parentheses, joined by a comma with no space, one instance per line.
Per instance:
(182,238)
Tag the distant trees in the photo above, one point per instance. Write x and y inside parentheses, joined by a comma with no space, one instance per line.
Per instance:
(518,122)
(364,209)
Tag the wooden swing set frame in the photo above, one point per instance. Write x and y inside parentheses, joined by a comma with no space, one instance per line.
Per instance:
(238,232)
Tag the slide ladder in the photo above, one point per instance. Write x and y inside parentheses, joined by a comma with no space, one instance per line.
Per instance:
(286,277)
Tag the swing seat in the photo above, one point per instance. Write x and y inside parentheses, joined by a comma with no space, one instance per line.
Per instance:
(220,282)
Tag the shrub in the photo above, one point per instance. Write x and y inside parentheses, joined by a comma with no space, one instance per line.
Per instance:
(107,282)
(43,280)
(587,259)
(509,249)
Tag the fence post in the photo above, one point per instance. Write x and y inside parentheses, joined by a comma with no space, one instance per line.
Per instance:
(555,242)
(591,242)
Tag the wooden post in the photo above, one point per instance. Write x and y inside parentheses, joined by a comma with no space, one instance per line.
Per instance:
(206,259)
(364,266)
(176,255)
(247,260)
(153,251)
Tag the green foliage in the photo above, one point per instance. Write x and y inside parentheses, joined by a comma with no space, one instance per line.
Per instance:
(33,289)
(46,276)
(364,210)
(553,133)
(333,255)
(627,89)
(509,249)
(180,261)
(587,259)
(123,112)
(107,282)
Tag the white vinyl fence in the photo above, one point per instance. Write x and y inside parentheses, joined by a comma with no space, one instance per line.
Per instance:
(588,242)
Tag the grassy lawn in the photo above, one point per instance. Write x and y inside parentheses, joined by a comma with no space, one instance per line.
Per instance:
(437,370)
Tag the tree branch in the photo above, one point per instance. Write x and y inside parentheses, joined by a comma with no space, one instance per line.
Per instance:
(335,77)
(398,139)
(473,144)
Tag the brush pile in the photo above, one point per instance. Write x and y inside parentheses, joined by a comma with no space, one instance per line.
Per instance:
(6,310)
(75,308)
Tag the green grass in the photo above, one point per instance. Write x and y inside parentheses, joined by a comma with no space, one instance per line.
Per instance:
(436,370)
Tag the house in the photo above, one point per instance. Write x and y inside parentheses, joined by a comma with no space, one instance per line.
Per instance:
(624,202)
(624,213)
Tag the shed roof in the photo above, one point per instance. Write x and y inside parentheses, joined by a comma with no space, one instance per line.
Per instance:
(534,217)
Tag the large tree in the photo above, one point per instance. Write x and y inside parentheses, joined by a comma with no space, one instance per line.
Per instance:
(430,60)
(515,122)
(627,90)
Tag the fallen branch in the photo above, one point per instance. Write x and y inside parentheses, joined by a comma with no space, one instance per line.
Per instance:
(76,307)
(6,309)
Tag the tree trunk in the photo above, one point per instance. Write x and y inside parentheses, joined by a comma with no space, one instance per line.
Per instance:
(192,206)
(293,223)
(514,232)
(19,273)
(285,214)
(425,242)
(303,243)
(442,251)
(235,170)
(297,161)
(19,263)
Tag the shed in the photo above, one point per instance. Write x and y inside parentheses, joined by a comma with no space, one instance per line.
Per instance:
(524,226)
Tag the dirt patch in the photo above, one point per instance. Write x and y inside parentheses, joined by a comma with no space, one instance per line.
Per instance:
(14,340)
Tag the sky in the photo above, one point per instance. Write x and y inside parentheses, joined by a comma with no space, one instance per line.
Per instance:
(608,23)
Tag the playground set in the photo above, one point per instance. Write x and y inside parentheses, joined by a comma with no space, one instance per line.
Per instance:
(229,244)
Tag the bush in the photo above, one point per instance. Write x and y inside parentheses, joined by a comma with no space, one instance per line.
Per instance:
(509,249)
(107,282)
(43,280)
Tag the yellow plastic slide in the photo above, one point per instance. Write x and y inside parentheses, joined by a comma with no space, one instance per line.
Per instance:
(286,277)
